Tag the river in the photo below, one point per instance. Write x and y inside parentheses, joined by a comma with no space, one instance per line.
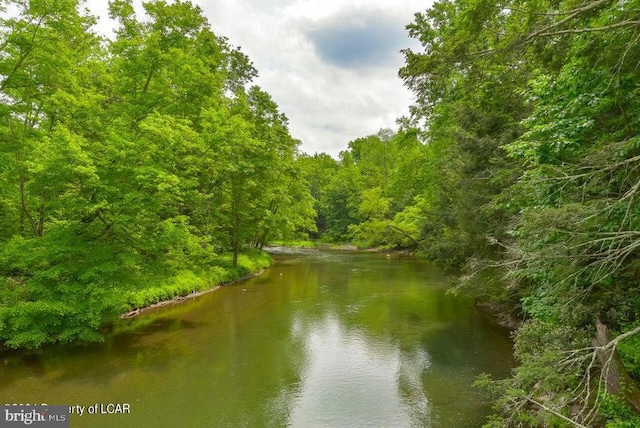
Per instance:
(322,339)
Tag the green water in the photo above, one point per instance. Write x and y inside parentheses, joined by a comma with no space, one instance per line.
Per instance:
(322,339)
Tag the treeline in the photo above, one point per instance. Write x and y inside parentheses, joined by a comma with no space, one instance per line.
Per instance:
(368,197)
(132,170)
(524,176)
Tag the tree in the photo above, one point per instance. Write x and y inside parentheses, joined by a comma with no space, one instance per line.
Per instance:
(318,171)
(42,44)
(287,199)
(530,114)
(129,162)
(50,176)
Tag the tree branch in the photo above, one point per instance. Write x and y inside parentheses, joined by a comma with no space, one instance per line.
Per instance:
(588,30)
(563,417)
(403,233)
(586,7)
(569,12)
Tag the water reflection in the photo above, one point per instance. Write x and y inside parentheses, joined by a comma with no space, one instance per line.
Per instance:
(319,340)
(353,381)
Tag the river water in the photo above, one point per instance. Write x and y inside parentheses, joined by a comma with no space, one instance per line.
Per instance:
(322,339)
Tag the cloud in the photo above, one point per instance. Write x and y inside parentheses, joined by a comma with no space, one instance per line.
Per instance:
(332,66)
(358,39)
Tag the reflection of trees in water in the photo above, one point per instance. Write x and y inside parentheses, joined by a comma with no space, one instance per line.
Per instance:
(393,345)
(410,386)
(351,378)
(437,343)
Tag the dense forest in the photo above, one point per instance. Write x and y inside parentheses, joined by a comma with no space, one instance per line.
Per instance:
(132,170)
(151,159)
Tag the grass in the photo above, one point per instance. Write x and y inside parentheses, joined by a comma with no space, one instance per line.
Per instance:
(187,282)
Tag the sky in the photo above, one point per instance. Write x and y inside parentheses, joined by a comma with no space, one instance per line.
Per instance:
(330,65)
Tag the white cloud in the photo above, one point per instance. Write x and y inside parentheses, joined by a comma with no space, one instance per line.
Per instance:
(330,65)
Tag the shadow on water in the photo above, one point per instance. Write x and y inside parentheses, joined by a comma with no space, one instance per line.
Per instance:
(76,358)
(336,338)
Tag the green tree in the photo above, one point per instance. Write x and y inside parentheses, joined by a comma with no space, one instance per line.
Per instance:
(530,114)
(50,176)
(128,162)
(376,179)
(42,43)
(318,171)
(342,198)
(372,226)
(288,205)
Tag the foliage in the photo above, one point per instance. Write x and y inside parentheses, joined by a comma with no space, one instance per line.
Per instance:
(130,165)
(618,413)
(531,118)
(368,196)
(141,160)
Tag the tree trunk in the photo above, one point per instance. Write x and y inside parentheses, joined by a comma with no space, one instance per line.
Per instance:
(236,250)
(260,243)
(617,379)
(24,211)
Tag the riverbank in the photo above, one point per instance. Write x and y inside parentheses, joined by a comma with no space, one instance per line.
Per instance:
(500,314)
(186,283)
(70,313)
(193,295)
(277,245)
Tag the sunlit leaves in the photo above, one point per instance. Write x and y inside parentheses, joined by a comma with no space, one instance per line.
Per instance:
(127,161)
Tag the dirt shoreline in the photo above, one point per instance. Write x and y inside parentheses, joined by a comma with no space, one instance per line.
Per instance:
(180,299)
(499,314)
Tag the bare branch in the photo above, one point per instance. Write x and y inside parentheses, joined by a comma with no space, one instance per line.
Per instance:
(563,417)
(589,29)
(586,7)
(614,342)
(582,7)
(403,233)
